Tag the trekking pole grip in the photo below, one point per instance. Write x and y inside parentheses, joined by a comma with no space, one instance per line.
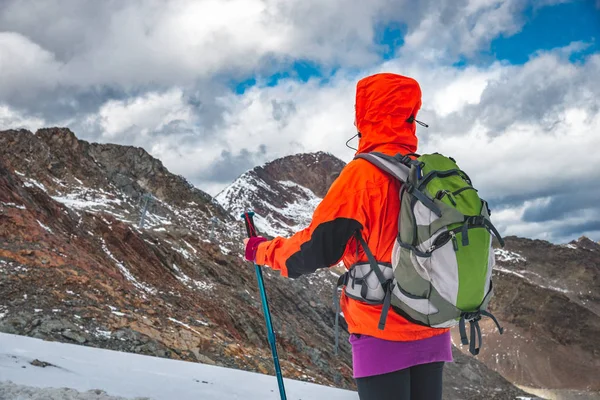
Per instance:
(248,218)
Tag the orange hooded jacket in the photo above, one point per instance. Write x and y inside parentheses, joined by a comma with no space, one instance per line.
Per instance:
(362,198)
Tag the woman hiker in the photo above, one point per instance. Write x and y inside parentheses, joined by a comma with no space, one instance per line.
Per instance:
(404,361)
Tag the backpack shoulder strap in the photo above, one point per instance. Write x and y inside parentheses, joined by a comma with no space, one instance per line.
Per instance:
(389,164)
(397,166)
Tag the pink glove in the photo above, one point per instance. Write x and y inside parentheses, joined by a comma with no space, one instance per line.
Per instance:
(252,247)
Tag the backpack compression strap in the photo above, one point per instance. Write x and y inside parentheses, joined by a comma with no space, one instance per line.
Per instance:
(387,285)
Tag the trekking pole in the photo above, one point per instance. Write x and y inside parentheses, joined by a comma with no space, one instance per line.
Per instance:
(251,230)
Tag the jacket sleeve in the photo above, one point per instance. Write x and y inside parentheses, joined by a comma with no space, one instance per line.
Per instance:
(322,244)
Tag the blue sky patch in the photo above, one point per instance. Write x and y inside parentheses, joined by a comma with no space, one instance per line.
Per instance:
(389,38)
(240,87)
(552,27)
(301,70)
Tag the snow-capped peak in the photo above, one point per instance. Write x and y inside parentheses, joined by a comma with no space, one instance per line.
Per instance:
(283,193)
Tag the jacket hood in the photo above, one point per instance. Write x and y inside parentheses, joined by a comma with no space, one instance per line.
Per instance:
(384,103)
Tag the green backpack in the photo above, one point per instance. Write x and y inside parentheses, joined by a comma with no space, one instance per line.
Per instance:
(442,260)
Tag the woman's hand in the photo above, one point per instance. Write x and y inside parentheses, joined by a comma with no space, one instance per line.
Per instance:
(251,246)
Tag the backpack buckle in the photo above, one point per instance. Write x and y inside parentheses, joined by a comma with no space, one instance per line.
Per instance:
(471,316)
(342,280)
(477,220)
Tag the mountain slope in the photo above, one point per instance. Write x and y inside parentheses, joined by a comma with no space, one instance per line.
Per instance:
(75,266)
(546,297)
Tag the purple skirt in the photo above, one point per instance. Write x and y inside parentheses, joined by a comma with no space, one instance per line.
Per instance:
(372,356)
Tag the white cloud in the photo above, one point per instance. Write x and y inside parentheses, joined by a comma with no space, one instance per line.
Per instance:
(451,94)
(452,27)
(145,114)
(24,63)
(164,43)
(12,119)
(151,42)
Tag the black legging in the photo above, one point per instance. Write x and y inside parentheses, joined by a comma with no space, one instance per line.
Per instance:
(421,382)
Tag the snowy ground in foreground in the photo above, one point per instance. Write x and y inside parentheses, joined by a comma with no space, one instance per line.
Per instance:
(10,391)
(130,375)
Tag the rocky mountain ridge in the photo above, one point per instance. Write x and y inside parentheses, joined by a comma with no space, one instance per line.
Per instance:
(75,266)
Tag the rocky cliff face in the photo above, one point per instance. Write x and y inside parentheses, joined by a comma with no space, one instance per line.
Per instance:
(547,298)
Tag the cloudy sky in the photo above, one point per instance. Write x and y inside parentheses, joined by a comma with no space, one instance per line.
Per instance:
(214,87)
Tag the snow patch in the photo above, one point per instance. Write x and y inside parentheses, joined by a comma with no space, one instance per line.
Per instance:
(113,310)
(186,254)
(508,256)
(556,289)
(508,271)
(189,282)
(224,250)
(20,207)
(521,275)
(191,247)
(126,273)
(45,227)
(99,333)
(185,325)
(33,183)
(88,199)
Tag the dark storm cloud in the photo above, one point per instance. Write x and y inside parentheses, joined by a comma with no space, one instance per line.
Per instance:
(565,203)
(576,230)
(64,27)
(63,103)
(283,110)
(229,166)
